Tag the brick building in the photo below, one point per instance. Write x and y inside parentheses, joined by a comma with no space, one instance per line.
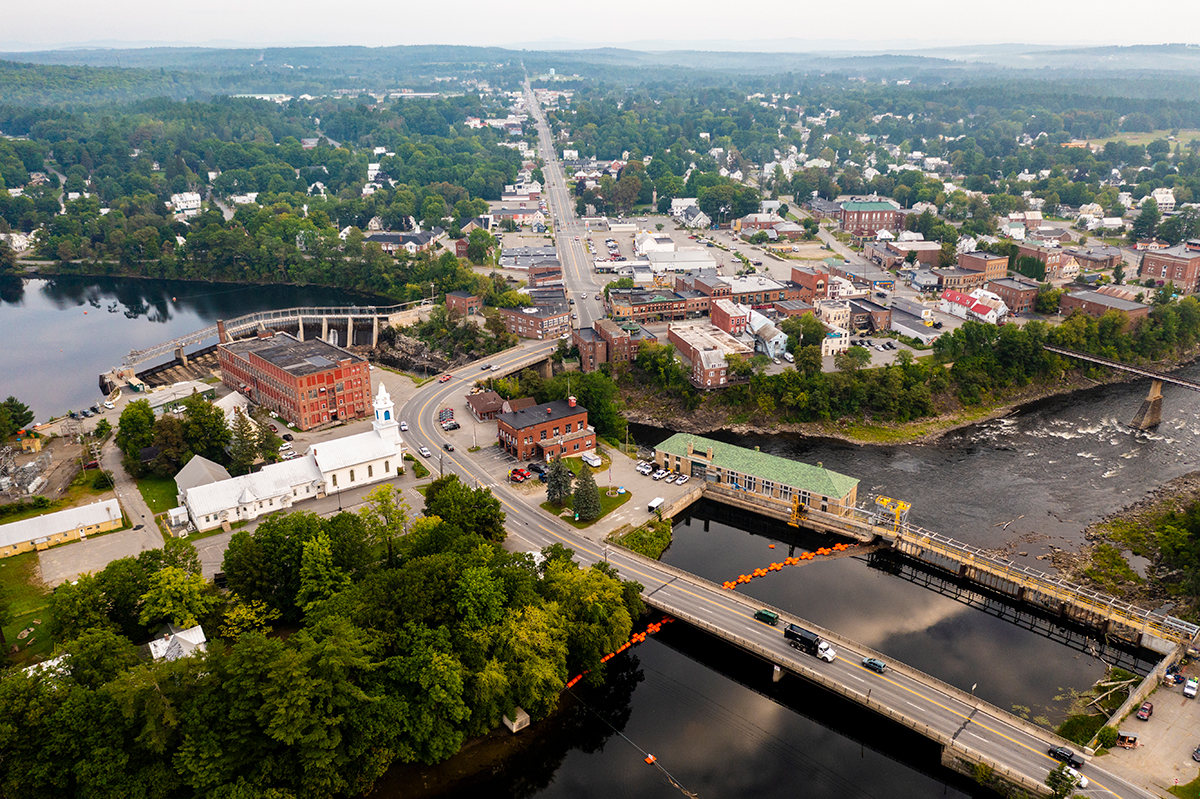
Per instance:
(1099,258)
(608,342)
(705,348)
(730,317)
(794,308)
(549,273)
(862,217)
(991,265)
(460,248)
(867,315)
(308,383)
(1095,304)
(709,284)
(545,432)
(1059,263)
(647,305)
(1018,295)
(1179,265)
(463,303)
(813,283)
(956,279)
(541,322)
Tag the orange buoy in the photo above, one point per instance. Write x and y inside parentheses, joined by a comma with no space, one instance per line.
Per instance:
(770,546)
(650,759)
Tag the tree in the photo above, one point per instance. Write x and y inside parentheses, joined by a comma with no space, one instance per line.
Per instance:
(385,515)
(8,259)
(243,443)
(1060,783)
(247,616)
(19,415)
(1146,224)
(319,578)
(135,428)
(1118,274)
(586,502)
(77,607)
(472,510)
(479,245)
(206,430)
(170,439)
(852,359)
(559,480)
(178,597)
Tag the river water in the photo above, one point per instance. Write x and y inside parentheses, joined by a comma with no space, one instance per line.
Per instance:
(710,714)
(61,333)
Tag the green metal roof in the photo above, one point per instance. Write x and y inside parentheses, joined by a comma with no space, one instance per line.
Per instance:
(868,206)
(805,477)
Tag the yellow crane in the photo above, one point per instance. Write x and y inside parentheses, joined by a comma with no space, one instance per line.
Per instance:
(896,508)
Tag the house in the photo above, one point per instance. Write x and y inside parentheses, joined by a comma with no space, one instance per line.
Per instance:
(557,429)
(964,306)
(186,204)
(653,242)
(49,529)
(1165,198)
(1093,303)
(487,405)
(693,218)
(463,303)
(755,222)
(174,643)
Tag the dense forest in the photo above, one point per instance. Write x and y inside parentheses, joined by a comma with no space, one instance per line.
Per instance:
(344,645)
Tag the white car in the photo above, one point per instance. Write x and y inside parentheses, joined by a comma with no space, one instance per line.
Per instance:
(109,405)
(425,453)
(1080,780)
(404,427)
(285,446)
(495,368)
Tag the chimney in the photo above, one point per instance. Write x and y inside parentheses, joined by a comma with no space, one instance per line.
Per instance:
(710,453)
(571,401)
(221,337)
(690,448)
(549,410)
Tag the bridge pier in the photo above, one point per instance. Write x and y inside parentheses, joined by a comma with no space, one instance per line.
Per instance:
(324,328)
(349,331)
(1150,414)
(300,327)
(375,332)
(181,356)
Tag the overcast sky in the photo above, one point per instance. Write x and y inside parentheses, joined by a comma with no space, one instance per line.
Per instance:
(871,23)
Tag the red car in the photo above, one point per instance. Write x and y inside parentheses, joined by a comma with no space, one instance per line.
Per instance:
(516,476)
(1145,711)
(444,379)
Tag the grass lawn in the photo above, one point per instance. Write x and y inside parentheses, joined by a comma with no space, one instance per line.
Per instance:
(421,489)
(1184,136)
(607,505)
(159,493)
(28,599)
(1189,791)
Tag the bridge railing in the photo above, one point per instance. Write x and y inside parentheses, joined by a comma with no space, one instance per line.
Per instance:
(1105,604)
(1124,367)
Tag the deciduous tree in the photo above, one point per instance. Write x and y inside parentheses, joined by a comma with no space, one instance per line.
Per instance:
(177,596)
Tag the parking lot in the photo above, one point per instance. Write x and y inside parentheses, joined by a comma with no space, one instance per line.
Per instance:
(1165,741)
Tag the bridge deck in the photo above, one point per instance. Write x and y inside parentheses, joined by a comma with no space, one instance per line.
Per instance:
(1124,367)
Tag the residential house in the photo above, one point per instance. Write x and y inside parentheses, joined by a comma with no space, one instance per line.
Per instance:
(487,405)
(964,306)
(729,316)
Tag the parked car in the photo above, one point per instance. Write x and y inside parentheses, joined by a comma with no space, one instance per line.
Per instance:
(109,405)
(660,474)
(540,468)
(425,453)
(274,429)
(1145,711)
(285,446)
(288,437)
(1065,755)
(683,478)
(875,664)
(287,456)
(1189,687)
(1196,754)
(516,476)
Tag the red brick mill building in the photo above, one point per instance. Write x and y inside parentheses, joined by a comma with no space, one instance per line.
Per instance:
(546,431)
(308,383)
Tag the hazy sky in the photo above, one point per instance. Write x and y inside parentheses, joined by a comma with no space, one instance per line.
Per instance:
(45,23)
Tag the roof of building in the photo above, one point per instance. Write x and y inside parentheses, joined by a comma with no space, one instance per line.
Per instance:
(793,305)
(752,283)
(49,524)
(178,392)
(816,480)
(273,480)
(586,334)
(730,307)
(463,295)
(611,328)
(177,643)
(1010,283)
(338,453)
(866,205)
(483,402)
(1102,299)
(539,414)
(295,357)
(540,311)
(199,471)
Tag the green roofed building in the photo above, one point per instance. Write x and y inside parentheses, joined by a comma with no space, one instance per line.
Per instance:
(868,217)
(768,477)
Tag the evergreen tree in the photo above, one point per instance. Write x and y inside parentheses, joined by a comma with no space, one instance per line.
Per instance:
(587,496)
(243,443)
(319,577)
(558,482)
(19,415)
(1146,224)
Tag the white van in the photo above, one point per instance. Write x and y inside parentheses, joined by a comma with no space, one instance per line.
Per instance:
(655,504)
(787,356)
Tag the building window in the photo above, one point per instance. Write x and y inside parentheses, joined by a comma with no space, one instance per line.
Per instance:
(335,481)
(768,487)
(751,483)
(387,467)
(543,438)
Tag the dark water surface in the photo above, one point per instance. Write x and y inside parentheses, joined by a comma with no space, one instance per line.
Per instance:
(59,334)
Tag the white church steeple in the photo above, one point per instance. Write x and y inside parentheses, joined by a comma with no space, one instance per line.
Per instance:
(385,423)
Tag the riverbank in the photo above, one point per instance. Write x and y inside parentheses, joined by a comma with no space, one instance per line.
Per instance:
(1123,555)
(649,409)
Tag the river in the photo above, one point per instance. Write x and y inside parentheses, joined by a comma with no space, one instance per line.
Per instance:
(62,333)
(709,713)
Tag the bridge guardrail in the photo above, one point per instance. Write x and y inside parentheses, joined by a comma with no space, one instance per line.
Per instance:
(838,640)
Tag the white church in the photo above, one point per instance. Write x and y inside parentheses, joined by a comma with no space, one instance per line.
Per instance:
(213,499)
